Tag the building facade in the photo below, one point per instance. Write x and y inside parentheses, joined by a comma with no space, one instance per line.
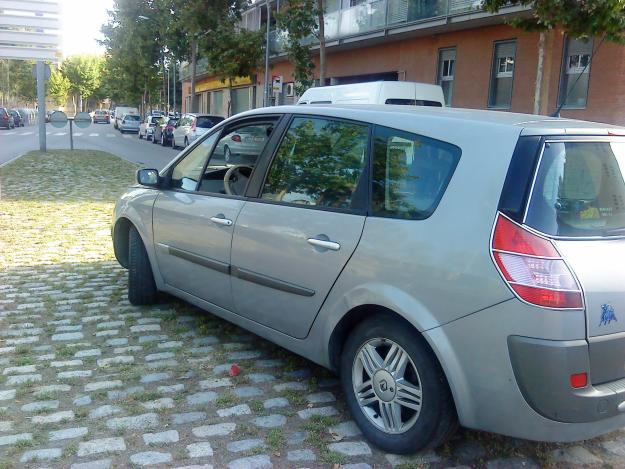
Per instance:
(480,61)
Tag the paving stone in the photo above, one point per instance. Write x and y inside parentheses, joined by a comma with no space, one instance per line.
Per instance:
(172,389)
(512,463)
(121,393)
(116,342)
(104,411)
(155,377)
(64,363)
(420,459)
(152,338)
(129,349)
(296,438)
(170,436)
(290,386)
(323,411)
(576,455)
(346,429)
(65,415)
(13,439)
(220,429)
(301,455)
(162,403)
(145,328)
(150,458)
(67,336)
(16,380)
(245,445)
(19,369)
(40,405)
(171,344)
(260,377)
(159,356)
(102,385)
(187,417)
(74,374)
(248,391)
(94,352)
(162,364)
(80,401)
(110,325)
(200,450)
(102,445)
(201,398)
(276,402)
(7,394)
(215,383)
(107,333)
(320,398)
(99,464)
(241,409)
(41,455)
(100,317)
(270,421)
(119,360)
(69,328)
(260,461)
(616,447)
(68,433)
(244,355)
(135,422)
(269,363)
(351,448)
(196,466)
(364,465)
(6,426)
(55,388)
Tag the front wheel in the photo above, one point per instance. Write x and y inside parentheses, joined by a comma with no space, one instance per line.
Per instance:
(395,388)
(141,285)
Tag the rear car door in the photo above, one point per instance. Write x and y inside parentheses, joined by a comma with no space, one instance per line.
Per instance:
(291,243)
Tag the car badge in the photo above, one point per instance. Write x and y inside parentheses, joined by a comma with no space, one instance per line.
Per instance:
(607,314)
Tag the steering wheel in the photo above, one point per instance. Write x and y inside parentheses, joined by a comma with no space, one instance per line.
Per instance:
(232,176)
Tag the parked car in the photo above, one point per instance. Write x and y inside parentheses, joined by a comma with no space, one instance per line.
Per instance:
(17,118)
(146,129)
(129,123)
(164,131)
(6,119)
(101,115)
(121,111)
(191,126)
(244,146)
(366,240)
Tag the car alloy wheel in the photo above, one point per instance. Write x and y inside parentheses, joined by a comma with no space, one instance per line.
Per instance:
(387,385)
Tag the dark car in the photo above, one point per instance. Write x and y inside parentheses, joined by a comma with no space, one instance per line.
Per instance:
(17,118)
(6,119)
(163,133)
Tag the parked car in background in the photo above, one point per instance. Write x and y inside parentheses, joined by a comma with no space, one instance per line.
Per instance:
(129,123)
(146,129)
(121,111)
(243,147)
(6,119)
(364,239)
(17,118)
(192,125)
(164,131)
(101,115)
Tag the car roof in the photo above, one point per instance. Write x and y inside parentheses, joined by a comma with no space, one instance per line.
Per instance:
(197,114)
(392,115)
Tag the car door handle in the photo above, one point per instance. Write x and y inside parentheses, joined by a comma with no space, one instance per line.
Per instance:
(221,221)
(324,244)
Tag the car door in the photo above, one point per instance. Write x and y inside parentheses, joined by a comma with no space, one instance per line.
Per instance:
(292,241)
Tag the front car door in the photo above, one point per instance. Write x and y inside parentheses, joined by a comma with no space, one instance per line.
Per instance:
(291,243)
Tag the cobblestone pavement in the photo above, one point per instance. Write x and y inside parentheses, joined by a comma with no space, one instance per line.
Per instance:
(89,381)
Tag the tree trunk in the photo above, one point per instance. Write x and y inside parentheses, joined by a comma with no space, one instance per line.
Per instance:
(229,97)
(74,102)
(193,68)
(539,73)
(322,42)
(80,102)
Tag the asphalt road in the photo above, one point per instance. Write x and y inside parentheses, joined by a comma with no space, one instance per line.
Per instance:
(16,142)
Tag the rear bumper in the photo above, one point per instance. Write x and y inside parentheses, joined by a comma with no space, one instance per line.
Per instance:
(543,369)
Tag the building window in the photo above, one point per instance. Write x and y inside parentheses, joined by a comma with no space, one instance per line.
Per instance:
(575,74)
(240,100)
(446,72)
(218,103)
(500,95)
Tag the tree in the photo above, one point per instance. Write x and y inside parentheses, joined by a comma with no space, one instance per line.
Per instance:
(22,82)
(578,19)
(302,19)
(58,87)
(84,73)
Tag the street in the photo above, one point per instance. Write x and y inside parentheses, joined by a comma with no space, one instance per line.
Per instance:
(104,137)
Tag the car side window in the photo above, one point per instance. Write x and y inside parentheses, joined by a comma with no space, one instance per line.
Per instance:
(318,163)
(410,173)
(186,174)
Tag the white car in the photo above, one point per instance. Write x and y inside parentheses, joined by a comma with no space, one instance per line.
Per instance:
(191,126)
(146,129)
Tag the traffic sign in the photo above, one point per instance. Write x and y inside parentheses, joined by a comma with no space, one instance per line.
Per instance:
(58,119)
(82,120)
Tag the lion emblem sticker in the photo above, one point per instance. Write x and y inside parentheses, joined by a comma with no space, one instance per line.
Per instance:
(607,315)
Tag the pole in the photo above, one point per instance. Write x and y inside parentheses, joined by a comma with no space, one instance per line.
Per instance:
(175,65)
(168,107)
(266,93)
(41,104)
(71,133)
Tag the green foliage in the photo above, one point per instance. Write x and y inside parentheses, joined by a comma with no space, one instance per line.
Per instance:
(58,87)
(579,19)
(84,74)
(16,79)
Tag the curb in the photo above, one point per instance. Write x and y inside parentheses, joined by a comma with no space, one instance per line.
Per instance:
(13,159)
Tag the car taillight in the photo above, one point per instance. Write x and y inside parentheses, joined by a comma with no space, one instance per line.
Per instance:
(533,267)
(236,138)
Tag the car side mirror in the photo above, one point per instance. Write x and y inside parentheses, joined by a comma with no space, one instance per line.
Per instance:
(148,177)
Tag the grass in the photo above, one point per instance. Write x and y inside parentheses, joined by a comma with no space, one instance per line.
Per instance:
(226,399)
(275,439)
(295,398)
(318,437)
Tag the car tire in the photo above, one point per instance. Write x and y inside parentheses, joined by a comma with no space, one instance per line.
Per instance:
(186,142)
(140,136)
(141,285)
(428,419)
(163,140)
(173,143)
(154,140)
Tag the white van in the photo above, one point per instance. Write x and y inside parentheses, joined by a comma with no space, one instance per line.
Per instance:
(121,111)
(378,92)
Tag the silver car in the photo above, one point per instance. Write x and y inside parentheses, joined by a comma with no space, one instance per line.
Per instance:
(129,123)
(452,266)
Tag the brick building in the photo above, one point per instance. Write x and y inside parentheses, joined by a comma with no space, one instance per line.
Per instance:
(480,60)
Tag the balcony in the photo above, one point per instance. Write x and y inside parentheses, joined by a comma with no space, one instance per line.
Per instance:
(377,16)
(201,67)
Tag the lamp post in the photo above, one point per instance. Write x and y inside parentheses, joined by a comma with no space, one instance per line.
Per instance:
(266,92)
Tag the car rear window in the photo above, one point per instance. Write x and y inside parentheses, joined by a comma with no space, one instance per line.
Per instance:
(132,118)
(579,190)
(205,122)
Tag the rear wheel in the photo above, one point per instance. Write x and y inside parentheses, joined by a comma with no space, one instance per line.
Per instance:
(141,285)
(395,388)
(140,136)
(186,142)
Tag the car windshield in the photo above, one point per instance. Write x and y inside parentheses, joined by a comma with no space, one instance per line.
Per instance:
(579,190)
(206,122)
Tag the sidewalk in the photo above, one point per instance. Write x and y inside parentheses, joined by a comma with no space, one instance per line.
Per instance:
(89,381)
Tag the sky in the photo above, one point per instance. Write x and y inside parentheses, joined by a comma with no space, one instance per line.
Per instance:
(80,22)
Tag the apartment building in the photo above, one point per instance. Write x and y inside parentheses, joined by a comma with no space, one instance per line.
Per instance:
(478,58)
